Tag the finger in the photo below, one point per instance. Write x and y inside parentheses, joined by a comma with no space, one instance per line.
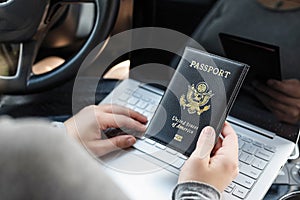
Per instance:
(287,110)
(282,111)
(277,97)
(121,110)
(286,117)
(264,99)
(290,86)
(273,104)
(120,121)
(226,157)
(218,145)
(205,143)
(280,96)
(228,130)
(230,141)
(102,147)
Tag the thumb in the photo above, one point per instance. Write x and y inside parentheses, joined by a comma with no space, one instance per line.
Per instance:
(102,147)
(122,141)
(205,143)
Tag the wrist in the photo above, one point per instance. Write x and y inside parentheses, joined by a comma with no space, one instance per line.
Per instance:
(195,189)
(71,129)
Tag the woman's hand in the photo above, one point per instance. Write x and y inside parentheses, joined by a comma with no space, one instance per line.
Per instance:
(216,165)
(281,97)
(87,127)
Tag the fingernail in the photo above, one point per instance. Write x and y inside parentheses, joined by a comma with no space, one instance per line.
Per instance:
(208,141)
(209,131)
(143,128)
(130,141)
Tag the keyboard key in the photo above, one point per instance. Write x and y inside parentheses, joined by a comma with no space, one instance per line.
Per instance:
(270,148)
(230,187)
(137,95)
(244,181)
(129,91)
(249,148)
(157,152)
(264,154)
(132,100)
(121,103)
(138,110)
(166,157)
(146,99)
(148,115)
(178,163)
(247,139)
(241,143)
(246,158)
(124,97)
(145,147)
(151,108)
(249,170)
(132,107)
(240,192)
(155,101)
(259,163)
(171,151)
(142,104)
(182,156)
(258,144)
(240,152)
(163,147)
(150,141)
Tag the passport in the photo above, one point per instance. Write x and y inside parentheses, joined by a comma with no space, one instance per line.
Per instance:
(200,93)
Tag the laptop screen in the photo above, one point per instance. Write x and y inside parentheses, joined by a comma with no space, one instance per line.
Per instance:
(258,103)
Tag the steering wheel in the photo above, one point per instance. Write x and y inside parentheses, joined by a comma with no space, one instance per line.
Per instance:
(27,22)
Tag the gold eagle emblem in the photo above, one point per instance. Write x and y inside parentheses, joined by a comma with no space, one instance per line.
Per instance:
(196,98)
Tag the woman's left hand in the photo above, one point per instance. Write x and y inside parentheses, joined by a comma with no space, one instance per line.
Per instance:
(87,126)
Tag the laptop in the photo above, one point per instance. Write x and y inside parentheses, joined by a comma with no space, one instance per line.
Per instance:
(150,169)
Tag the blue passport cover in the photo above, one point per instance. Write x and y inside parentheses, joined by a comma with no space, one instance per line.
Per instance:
(200,93)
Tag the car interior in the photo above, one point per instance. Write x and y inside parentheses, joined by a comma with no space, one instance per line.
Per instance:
(44,44)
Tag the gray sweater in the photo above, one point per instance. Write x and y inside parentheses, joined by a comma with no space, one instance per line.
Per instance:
(38,161)
(195,191)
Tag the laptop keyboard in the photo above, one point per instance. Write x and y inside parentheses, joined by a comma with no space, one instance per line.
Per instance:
(253,155)
(141,100)
(253,158)
(161,152)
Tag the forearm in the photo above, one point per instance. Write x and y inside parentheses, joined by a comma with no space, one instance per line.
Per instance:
(41,162)
(195,191)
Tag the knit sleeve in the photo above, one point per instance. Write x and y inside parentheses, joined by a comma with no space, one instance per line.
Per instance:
(195,191)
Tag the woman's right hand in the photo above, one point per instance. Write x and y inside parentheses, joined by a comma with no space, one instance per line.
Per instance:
(216,165)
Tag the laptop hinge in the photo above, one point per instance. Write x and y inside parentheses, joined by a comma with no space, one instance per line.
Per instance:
(152,89)
(251,127)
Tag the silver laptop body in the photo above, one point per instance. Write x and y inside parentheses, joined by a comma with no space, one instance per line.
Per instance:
(150,170)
